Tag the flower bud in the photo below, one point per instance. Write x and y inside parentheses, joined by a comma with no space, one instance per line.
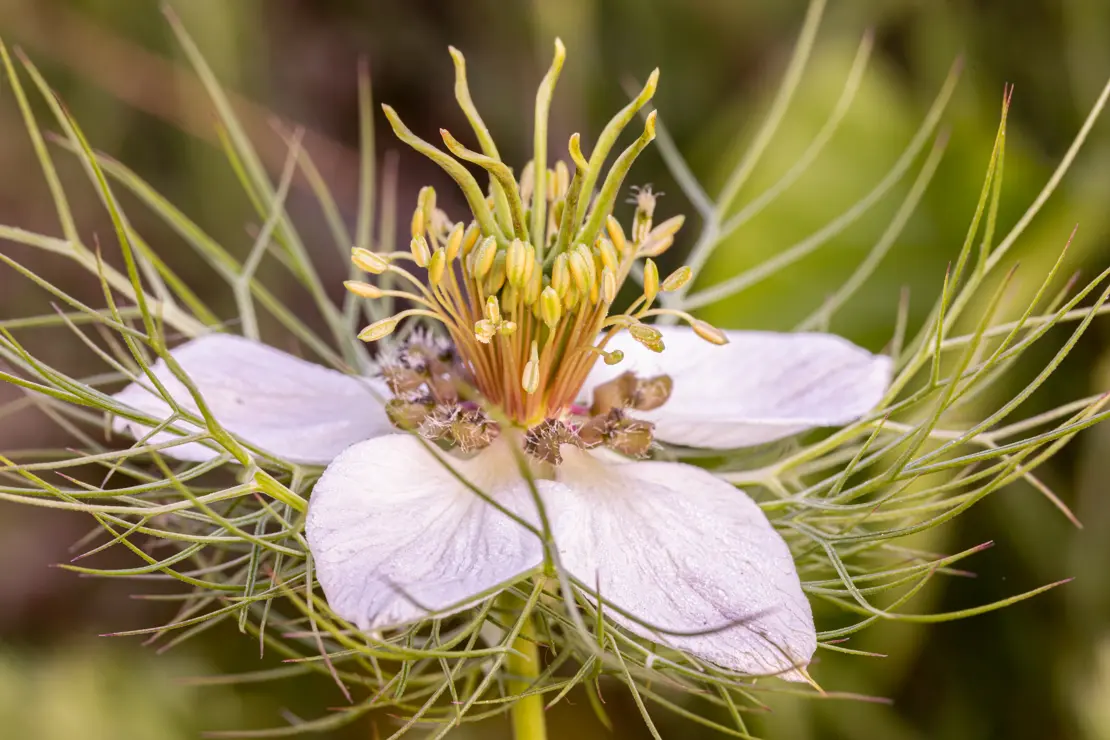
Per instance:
(678,278)
(363,290)
(506,328)
(368,261)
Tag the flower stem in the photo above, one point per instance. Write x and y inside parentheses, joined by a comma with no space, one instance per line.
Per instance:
(527,713)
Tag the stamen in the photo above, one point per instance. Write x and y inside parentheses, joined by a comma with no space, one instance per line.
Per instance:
(677,279)
(421,254)
(651,281)
(368,261)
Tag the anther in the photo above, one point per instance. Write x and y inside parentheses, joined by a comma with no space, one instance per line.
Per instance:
(609,286)
(616,234)
(493,310)
(651,281)
(709,333)
(560,275)
(368,261)
(363,290)
(437,265)
(379,329)
(484,257)
(551,308)
(421,253)
(677,279)
(454,242)
(531,378)
(470,238)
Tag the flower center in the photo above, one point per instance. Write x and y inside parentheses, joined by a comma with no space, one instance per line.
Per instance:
(525,287)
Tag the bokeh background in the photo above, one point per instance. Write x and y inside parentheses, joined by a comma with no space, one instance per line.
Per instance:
(1039,670)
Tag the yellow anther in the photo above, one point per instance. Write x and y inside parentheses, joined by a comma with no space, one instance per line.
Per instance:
(437,265)
(608,254)
(531,378)
(484,257)
(510,296)
(495,280)
(493,310)
(562,179)
(534,286)
(608,286)
(580,271)
(651,280)
(378,329)
(709,333)
(616,234)
(454,242)
(552,191)
(527,181)
(515,258)
(648,336)
(363,290)
(426,203)
(659,239)
(529,263)
(678,278)
(612,358)
(484,330)
(560,275)
(421,253)
(419,222)
(551,308)
(368,261)
(507,328)
(588,260)
(470,237)
(570,299)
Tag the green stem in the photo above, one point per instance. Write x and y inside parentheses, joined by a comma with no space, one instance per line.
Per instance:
(527,713)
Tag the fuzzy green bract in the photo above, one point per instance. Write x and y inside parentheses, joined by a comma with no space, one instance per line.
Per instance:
(232,523)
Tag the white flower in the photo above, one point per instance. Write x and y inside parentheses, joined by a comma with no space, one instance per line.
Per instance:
(539,369)
(397,533)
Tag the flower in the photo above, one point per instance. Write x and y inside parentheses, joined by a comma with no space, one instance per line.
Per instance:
(423,509)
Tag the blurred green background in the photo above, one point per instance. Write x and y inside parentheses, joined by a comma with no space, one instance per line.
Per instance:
(1037,670)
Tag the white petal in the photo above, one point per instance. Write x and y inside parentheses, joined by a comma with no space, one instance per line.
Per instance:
(395,534)
(759,387)
(683,551)
(293,409)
